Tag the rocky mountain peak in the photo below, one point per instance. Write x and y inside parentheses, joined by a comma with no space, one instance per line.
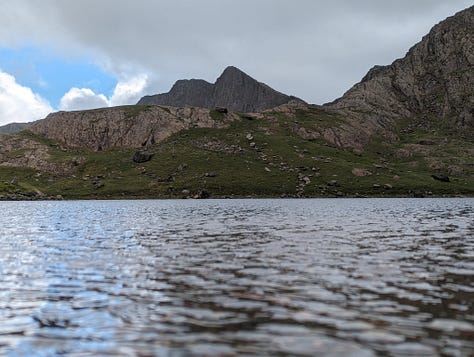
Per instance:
(234,89)
(232,72)
(434,80)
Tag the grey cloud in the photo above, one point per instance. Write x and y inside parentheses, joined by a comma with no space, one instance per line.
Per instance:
(312,49)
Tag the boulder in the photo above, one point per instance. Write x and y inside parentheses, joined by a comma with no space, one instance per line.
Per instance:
(141,157)
(203,194)
(442,178)
(221,110)
(361,172)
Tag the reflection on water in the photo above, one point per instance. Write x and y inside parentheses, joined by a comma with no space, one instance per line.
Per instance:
(388,277)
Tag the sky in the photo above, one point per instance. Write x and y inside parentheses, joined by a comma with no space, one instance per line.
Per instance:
(71,55)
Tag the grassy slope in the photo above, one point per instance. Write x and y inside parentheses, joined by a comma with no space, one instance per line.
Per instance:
(279,165)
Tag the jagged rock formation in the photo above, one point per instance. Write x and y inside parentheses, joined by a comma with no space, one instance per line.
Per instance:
(434,81)
(129,126)
(233,90)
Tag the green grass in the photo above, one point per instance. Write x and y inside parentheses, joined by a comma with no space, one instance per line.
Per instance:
(274,167)
(217,116)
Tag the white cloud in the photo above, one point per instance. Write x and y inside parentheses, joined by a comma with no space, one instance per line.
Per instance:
(82,98)
(129,91)
(19,103)
(312,49)
(126,92)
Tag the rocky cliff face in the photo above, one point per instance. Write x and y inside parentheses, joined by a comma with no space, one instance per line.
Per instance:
(233,90)
(129,126)
(434,81)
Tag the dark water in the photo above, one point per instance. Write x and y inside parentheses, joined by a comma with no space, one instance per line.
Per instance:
(390,277)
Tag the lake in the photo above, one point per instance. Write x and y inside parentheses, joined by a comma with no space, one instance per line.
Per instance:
(315,277)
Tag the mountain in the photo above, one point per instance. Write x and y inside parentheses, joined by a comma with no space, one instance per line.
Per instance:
(433,83)
(234,90)
(405,130)
(13,128)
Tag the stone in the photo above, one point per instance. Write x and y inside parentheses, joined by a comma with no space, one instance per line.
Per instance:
(221,110)
(426,142)
(98,185)
(361,172)
(333,183)
(247,117)
(442,178)
(249,137)
(202,194)
(387,186)
(141,157)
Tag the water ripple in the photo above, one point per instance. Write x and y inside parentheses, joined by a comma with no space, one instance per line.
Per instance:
(237,277)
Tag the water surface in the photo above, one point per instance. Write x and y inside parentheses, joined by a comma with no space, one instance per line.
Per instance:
(367,277)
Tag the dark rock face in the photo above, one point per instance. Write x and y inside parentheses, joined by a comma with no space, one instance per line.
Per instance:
(435,80)
(191,93)
(234,90)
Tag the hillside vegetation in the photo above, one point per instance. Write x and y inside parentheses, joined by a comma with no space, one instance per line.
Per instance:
(279,153)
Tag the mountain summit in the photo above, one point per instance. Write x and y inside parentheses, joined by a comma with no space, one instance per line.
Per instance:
(434,81)
(234,90)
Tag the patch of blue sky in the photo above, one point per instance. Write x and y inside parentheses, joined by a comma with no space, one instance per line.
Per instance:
(51,76)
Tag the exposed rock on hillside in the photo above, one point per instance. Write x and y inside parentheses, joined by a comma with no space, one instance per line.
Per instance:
(435,80)
(18,151)
(233,90)
(129,126)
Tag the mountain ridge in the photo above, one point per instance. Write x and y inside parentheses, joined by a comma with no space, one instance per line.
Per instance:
(234,90)
(433,81)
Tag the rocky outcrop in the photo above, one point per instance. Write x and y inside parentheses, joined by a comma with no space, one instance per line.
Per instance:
(21,151)
(234,90)
(434,81)
(129,126)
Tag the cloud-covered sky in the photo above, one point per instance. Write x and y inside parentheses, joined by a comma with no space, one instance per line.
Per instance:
(66,55)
